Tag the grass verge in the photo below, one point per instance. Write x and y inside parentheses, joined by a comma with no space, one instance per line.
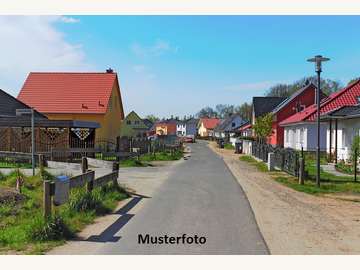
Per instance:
(22,226)
(330,183)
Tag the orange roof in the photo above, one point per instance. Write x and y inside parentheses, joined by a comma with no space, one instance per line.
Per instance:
(210,123)
(63,92)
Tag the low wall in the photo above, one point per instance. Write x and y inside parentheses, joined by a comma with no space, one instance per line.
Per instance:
(100,163)
(63,165)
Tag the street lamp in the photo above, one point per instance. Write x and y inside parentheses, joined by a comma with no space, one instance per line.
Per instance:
(318,59)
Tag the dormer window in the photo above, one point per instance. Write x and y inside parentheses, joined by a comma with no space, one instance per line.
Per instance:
(358,100)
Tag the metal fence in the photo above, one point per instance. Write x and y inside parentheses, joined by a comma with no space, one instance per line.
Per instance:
(286,159)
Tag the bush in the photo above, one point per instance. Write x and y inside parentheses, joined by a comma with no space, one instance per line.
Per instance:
(81,200)
(49,229)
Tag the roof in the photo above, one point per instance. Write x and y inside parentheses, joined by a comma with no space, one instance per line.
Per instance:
(310,86)
(148,122)
(194,121)
(344,112)
(9,105)
(345,97)
(68,92)
(223,125)
(210,123)
(264,105)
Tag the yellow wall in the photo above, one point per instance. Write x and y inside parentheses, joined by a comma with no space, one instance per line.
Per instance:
(161,130)
(110,122)
(203,132)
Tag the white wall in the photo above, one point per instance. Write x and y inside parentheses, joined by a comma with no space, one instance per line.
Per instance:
(304,135)
(347,129)
(181,130)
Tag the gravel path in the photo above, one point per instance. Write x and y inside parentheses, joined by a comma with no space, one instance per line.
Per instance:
(294,222)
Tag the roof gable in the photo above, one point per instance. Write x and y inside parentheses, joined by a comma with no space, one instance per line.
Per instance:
(59,92)
(345,97)
(210,123)
(9,105)
(264,105)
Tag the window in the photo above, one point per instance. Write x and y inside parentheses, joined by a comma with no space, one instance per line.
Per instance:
(232,124)
(286,136)
(128,122)
(137,122)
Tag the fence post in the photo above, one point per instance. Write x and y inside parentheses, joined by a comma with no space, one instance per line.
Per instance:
(116,169)
(301,171)
(271,161)
(41,163)
(47,198)
(355,164)
(84,169)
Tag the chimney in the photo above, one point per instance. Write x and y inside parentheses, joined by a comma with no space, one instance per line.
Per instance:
(109,70)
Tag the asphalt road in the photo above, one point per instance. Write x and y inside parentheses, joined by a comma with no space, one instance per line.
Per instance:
(201,197)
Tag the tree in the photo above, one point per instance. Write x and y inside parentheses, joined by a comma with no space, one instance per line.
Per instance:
(207,112)
(263,126)
(152,118)
(244,110)
(285,90)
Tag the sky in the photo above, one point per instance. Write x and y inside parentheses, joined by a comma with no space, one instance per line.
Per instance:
(176,65)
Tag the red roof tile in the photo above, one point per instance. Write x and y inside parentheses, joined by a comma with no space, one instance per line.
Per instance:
(53,92)
(248,126)
(210,123)
(346,96)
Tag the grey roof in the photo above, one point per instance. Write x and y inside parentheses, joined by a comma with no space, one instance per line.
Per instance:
(264,105)
(148,122)
(194,121)
(344,112)
(225,122)
(9,105)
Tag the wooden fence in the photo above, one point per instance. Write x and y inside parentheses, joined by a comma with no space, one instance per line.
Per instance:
(87,178)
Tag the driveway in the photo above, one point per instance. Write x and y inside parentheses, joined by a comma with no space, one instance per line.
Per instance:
(199,196)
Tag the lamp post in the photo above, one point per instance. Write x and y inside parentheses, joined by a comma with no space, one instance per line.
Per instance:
(318,59)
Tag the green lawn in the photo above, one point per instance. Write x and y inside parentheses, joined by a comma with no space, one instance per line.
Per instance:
(229,146)
(329,184)
(15,165)
(23,228)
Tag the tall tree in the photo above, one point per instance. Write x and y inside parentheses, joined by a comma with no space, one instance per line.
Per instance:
(152,118)
(207,112)
(263,127)
(285,90)
(244,110)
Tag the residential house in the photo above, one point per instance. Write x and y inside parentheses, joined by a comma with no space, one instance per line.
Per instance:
(227,127)
(77,96)
(347,122)
(15,129)
(133,126)
(300,128)
(244,130)
(191,127)
(264,105)
(297,102)
(181,128)
(166,127)
(206,126)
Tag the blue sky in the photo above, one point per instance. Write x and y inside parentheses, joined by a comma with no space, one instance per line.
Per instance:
(179,64)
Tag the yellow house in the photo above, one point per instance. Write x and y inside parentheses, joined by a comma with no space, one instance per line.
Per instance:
(92,97)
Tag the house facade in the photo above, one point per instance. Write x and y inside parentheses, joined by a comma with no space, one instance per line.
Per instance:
(181,128)
(300,128)
(92,97)
(227,127)
(192,127)
(166,127)
(297,102)
(15,129)
(206,126)
(133,126)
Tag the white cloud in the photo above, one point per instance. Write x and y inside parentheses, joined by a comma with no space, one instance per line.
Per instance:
(158,48)
(66,19)
(32,43)
(255,86)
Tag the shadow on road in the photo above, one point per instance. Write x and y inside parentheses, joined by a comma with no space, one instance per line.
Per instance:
(108,235)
